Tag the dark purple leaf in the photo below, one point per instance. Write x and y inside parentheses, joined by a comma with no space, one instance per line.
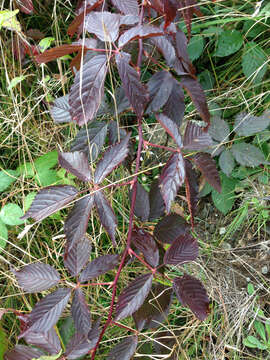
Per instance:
(88,89)
(157,205)
(78,256)
(80,313)
(183,249)
(111,159)
(155,308)
(166,48)
(49,200)
(170,228)
(26,6)
(175,107)
(192,189)
(37,277)
(196,138)
(125,349)
(145,243)
(127,7)
(181,50)
(21,352)
(171,178)
(208,168)
(76,163)
(142,205)
(135,91)
(139,32)
(60,110)
(99,266)
(47,311)
(122,101)
(165,343)
(77,221)
(190,292)
(47,341)
(104,25)
(170,10)
(113,132)
(171,128)
(133,296)
(129,19)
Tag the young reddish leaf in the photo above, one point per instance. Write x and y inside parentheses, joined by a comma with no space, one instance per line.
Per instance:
(171,128)
(111,159)
(166,48)
(125,349)
(142,205)
(78,256)
(170,228)
(170,10)
(192,189)
(47,341)
(99,266)
(133,296)
(183,249)
(47,311)
(26,6)
(158,5)
(88,88)
(196,138)
(76,163)
(80,313)
(77,221)
(171,178)
(134,89)
(49,200)
(139,32)
(175,107)
(157,205)
(37,277)
(104,25)
(145,243)
(127,7)
(22,352)
(60,110)
(155,308)
(208,168)
(190,292)
(197,95)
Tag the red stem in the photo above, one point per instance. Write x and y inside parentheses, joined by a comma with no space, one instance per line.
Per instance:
(130,251)
(147,143)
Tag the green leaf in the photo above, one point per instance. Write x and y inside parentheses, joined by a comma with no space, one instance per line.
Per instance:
(228,43)
(28,200)
(67,330)
(212,31)
(207,80)
(250,289)
(224,201)
(47,177)
(226,162)
(3,237)
(49,357)
(254,343)
(3,343)
(259,327)
(247,154)
(8,20)
(7,177)
(26,170)
(251,29)
(247,125)
(46,161)
(10,214)
(206,190)
(14,82)
(45,43)
(195,47)
(254,62)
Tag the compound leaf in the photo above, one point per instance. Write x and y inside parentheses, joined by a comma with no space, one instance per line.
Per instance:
(60,110)
(175,106)
(208,168)
(104,25)
(195,138)
(166,48)
(78,256)
(145,243)
(76,163)
(127,7)
(99,266)
(171,128)
(183,249)
(170,228)
(139,32)
(48,341)
(80,313)
(247,154)
(125,349)
(22,352)
(160,87)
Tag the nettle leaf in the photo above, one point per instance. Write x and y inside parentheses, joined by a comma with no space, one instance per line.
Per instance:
(196,138)
(175,106)
(80,313)
(219,130)
(49,200)
(133,296)
(171,178)
(155,308)
(111,159)
(247,154)
(139,32)
(247,125)
(135,91)
(7,177)
(60,111)
(145,243)
(47,341)
(99,266)
(170,228)
(228,42)
(125,349)
(76,163)
(226,162)
(104,25)
(224,201)
(208,168)
(106,214)
(26,6)
(77,221)
(127,7)
(37,277)
(142,205)
(190,292)
(192,189)
(166,48)
(91,139)
(254,62)
(22,352)
(47,311)
(78,256)
(171,128)
(157,205)
(183,249)
(88,89)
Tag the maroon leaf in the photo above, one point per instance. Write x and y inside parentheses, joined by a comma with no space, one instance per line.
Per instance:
(49,200)
(47,311)
(77,221)
(76,163)
(125,349)
(79,346)
(183,249)
(171,128)
(208,168)
(171,178)
(175,107)
(88,89)
(133,296)
(166,48)
(134,89)
(113,132)
(122,101)
(155,308)
(37,277)
(47,341)
(99,266)
(190,292)
(21,352)
(181,50)
(129,19)
(26,6)
(157,206)
(78,256)
(112,158)
(139,32)
(80,313)
(170,10)
(104,25)
(145,243)
(170,228)
(127,7)
(192,189)
(60,110)
(196,138)
(142,205)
